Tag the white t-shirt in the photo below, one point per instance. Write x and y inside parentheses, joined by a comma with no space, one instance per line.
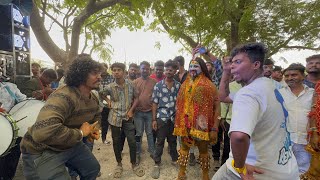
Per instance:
(298,109)
(257,112)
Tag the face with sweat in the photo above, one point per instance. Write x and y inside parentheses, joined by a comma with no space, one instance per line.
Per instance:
(194,69)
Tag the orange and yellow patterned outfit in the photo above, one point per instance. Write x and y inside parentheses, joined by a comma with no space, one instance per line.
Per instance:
(314,170)
(195,117)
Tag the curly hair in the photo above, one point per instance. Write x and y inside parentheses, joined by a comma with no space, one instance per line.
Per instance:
(79,70)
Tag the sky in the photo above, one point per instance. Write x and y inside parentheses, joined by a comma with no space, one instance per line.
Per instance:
(137,46)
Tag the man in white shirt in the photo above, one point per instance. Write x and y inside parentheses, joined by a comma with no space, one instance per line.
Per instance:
(298,100)
(9,96)
(260,143)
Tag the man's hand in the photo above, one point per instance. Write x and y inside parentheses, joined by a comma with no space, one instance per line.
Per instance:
(222,122)
(47,90)
(87,128)
(38,95)
(314,141)
(129,114)
(250,171)
(226,63)
(213,137)
(154,125)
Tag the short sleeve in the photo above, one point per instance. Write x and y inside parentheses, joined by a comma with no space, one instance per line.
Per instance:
(155,97)
(245,113)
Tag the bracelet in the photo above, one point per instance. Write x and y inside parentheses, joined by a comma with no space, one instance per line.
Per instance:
(214,129)
(242,170)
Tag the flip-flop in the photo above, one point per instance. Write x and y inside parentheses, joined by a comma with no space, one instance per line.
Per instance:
(138,171)
(118,172)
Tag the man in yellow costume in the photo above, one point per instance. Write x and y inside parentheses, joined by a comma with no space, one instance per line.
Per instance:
(314,138)
(197,117)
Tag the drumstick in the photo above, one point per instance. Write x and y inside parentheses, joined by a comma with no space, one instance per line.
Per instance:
(94,126)
(22,119)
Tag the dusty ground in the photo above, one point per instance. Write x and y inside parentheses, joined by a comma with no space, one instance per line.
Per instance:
(105,155)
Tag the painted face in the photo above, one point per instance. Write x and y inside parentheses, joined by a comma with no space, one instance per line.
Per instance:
(194,69)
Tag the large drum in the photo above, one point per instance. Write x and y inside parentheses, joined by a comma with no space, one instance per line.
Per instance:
(26,113)
(8,133)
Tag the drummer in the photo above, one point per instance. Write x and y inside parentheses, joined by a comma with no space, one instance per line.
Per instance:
(40,87)
(9,96)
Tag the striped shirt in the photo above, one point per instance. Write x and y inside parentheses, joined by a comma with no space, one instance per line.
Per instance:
(121,101)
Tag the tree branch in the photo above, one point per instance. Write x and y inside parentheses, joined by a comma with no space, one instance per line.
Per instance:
(91,8)
(44,39)
(302,47)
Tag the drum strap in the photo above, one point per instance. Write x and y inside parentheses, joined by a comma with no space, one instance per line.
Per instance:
(12,94)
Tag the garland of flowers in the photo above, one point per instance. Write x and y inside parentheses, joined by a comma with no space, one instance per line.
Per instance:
(315,111)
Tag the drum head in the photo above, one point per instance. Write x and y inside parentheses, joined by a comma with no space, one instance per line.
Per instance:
(6,134)
(28,110)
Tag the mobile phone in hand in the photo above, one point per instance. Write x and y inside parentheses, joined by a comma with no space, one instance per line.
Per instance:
(202,50)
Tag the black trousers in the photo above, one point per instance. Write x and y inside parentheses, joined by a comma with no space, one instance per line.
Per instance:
(128,129)
(226,145)
(9,163)
(104,123)
(165,130)
(222,135)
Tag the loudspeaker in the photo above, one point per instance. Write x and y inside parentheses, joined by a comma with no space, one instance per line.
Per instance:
(6,28)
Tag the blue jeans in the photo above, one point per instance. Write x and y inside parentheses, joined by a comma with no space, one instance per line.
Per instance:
(143,121)
(302,156)
(52,165)
(72,171)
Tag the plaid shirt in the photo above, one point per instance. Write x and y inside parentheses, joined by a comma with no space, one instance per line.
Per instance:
(121,101)
(105,80)
(217,75)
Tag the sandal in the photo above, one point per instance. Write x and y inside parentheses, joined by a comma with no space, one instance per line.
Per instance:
(107,142)
(118,172)
(155,174)
(138,171)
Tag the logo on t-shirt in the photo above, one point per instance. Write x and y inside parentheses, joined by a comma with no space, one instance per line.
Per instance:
(285,152)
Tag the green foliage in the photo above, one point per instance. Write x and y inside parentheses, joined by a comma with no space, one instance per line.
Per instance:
(97,27)
(278,23)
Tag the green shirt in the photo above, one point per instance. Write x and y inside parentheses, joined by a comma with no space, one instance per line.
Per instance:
(226,108)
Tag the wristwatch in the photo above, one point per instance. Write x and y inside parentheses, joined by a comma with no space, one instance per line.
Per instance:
(242,170)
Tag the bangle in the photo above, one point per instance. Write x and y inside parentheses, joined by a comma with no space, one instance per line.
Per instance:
(313,129)
(242,170)
(214,129)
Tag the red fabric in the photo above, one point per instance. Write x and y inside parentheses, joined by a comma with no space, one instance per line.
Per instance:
(154,76)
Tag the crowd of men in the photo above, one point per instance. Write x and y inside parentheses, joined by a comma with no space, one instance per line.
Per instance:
(258,112)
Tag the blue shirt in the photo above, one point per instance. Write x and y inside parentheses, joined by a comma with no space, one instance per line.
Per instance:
(308,83)
(166,100)
(217,75)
